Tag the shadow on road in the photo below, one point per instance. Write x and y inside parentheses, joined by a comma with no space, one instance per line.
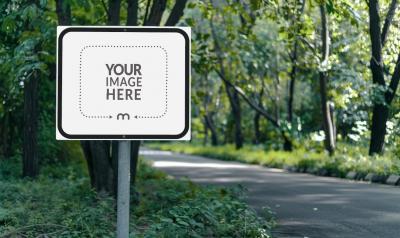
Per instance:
(306,205)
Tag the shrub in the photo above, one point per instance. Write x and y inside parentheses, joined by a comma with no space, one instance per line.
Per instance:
(60,203)
(347,158)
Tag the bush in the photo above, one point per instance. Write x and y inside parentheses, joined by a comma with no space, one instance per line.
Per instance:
(348,158)
(60,203)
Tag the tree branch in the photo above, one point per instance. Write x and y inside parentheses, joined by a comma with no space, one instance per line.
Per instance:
(325,35)
(176,13)
(114,8)
(146,13)
(376,44)
(248,100)
(105,8)
(388,21)
(394,82)
(236,88)
(63,10)
(156,12)
(132,18)
(309,45)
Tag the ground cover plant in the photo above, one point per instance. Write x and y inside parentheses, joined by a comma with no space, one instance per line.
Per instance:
(301,159)
(60,203)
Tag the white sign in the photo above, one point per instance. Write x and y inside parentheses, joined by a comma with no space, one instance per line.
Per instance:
(123,83)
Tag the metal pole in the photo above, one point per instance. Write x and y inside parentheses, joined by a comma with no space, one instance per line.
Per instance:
(124,153)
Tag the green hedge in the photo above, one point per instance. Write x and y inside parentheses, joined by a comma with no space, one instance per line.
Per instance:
(347,159)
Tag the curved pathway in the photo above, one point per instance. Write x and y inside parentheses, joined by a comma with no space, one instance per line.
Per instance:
(305,205)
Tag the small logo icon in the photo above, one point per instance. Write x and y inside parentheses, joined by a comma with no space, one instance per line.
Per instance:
(123,115)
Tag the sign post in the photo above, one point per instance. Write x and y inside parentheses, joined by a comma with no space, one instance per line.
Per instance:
(124,154)
(123,83)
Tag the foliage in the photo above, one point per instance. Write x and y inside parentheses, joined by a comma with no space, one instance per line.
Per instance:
(204,213)
(349,158)
(60,203)
(257,53)
(27,47)
(257,41)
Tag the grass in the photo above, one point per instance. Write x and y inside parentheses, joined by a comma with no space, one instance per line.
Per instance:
(60,203)
(345,160)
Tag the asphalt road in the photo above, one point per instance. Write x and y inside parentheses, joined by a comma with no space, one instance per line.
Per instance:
(305,205)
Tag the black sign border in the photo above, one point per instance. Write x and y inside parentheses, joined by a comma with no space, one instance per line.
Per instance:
(122,29)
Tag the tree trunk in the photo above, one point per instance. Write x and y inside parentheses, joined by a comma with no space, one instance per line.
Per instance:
(380,112)
(97,154)
(210,123)
(132,19)
(89,160)
(238,123)
(323,80)
(114,165)
(236,113)
(135,146)
(30,153)
(292,82)
(101,164)
(205,140)
(176,13)
(63,9)
(114,7)
(103,168)
(7,135)
(326,115)
(277,86)
(257,133)
(156,12)
(102,156)
(287,143)
(293,71)
(380,116)
(153,19)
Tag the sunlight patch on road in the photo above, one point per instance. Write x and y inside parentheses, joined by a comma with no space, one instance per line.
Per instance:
(154,152)
(165,164)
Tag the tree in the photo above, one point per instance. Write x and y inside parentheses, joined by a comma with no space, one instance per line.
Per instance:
(102,171)
(24,54)
(296,22)
(30,152)
(30,158)
(113,12)
(232,94)
(156,13)
(133,7)
(386,92)
(326,105)
(132,20)
(176,13)
(228,72)
(225,70)
(102,156)
(323,66)
(155,17)
(63,9)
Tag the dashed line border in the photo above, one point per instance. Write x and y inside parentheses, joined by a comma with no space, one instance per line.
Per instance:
(123,46)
